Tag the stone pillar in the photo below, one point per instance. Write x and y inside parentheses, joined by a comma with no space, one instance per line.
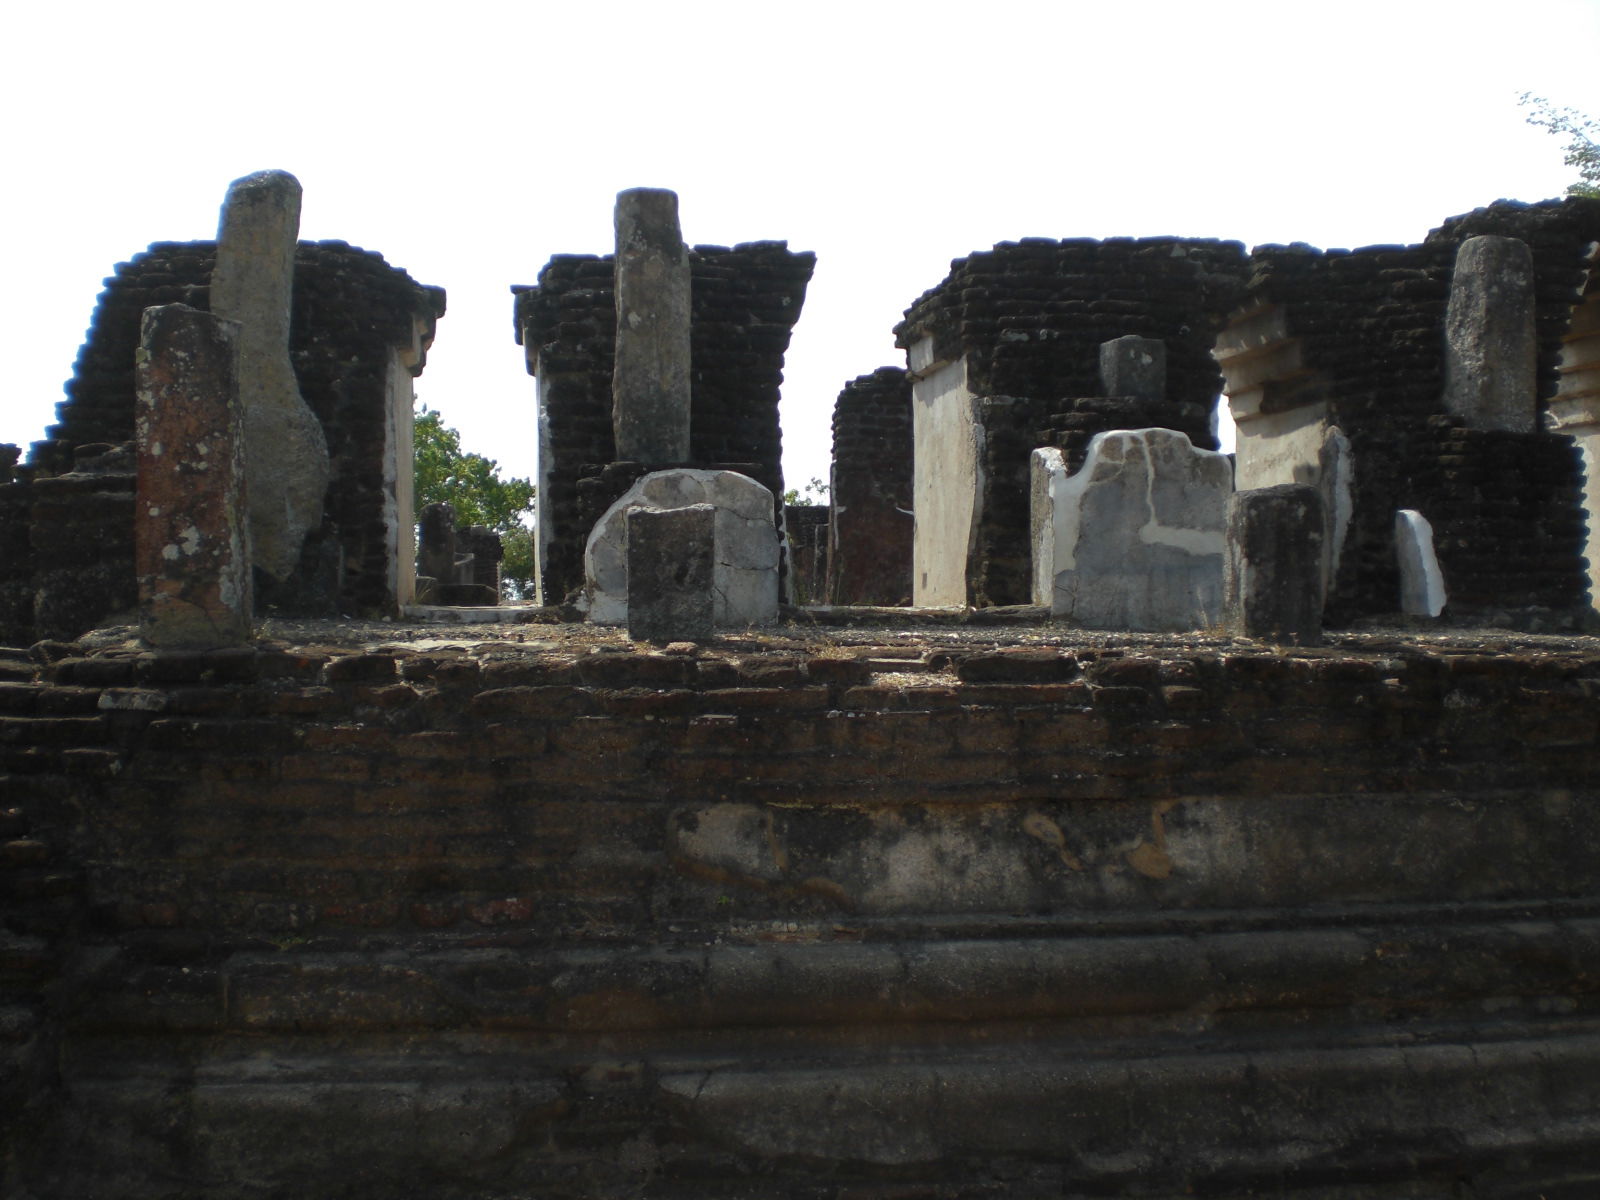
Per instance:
(1134,366)
(191,534)
(1273,583)
(286,453)
(650,377)
(1490,348)
(671,559)
(436,543)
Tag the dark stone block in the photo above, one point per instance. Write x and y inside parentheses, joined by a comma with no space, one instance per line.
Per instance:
(671,556)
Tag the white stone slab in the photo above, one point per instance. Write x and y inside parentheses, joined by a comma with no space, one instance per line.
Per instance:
(745,576)
(1137,538)
(1422,592)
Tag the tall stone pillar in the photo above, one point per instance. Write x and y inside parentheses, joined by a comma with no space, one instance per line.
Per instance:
(1491,350)
(650,378)
(286,453)
(191,537)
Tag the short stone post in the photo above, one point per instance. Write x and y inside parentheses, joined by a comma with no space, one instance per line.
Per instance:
(1491,352)
(436,543)
(191,528)
(671,558)
(1273,583)
(286,452)
(1134,366)
(650,377)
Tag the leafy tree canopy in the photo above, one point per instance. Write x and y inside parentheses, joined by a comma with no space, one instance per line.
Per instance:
(471,484)
(1582,134)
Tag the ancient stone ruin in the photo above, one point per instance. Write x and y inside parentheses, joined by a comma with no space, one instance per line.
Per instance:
(596,440)
(357,332)
(1276,881)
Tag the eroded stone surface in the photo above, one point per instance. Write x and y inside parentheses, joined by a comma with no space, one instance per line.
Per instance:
(192,551)
(1490,345)
(286,452)
(650,377)
(1134,540)
(1275,564)
(745,576)
(671,569)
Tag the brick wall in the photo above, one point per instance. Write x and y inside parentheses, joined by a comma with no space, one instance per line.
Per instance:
(870,491)
(1029,318)
(498,920)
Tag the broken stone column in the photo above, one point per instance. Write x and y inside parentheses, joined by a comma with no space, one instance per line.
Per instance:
(650,376)
(436,543)
(1490,348)
(1422,592)
(1134,366)
(286,453)
(1133,540)
(1275,564)
(191,535)
(671,562)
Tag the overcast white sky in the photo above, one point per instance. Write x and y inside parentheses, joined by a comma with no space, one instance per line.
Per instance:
(469,142)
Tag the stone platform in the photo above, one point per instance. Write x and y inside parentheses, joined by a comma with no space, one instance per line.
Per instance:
(947,910)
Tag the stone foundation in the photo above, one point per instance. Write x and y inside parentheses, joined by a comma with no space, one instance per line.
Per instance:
(823,915)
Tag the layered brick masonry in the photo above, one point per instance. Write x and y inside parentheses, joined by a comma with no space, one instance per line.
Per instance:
(520,921)
(870,491)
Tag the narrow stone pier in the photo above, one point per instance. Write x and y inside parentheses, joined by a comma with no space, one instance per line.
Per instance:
(650,377)
(192,548)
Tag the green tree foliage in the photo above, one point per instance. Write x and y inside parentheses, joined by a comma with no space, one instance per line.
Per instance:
(1582,134)
(471,484)
(816,493)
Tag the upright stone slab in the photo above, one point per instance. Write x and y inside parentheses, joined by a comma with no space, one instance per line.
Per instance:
(436,543)
(1134,540)
(650,375)
(671,565)
(191,537)
(1491,351)
(1335,483)
(1275,564)
(286,452)
(1134,366)
(1422,590)
(745,571)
